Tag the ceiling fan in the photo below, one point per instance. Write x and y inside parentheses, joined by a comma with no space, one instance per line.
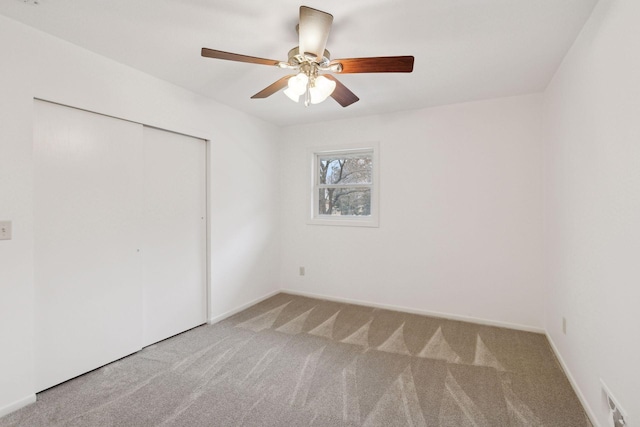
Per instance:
(313,64)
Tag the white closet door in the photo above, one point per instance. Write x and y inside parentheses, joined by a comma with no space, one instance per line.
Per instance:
(88,273)
(174,252)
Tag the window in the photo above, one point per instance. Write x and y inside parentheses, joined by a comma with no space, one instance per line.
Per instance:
(344,190)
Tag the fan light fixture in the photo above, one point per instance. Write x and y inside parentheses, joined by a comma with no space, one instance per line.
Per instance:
(315,88)
(310,58)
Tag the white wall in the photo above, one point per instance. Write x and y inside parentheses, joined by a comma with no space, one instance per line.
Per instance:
(592,200)
(243,183)
(460,218)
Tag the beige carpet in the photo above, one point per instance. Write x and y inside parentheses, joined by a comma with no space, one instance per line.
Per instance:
(294,361)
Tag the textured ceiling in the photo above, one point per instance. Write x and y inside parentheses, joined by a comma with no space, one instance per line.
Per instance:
(464,49)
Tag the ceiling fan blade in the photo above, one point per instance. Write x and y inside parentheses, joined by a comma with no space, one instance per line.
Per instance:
(218,54)
(341,93)
(313,30)
(381,64)
(273,88)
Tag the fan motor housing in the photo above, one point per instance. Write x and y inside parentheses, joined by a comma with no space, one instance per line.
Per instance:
(296,58)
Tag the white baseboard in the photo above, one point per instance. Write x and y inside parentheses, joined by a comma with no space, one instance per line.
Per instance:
(17,405)
(218,318)
(450,316)
(470,319)
(574,384)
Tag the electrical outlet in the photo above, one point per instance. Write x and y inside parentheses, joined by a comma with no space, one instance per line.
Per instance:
(302,271)
(564,325)
(617,416)
(5,230)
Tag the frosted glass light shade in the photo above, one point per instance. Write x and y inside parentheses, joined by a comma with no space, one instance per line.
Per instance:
(298,83)
(291,94)
(321,90)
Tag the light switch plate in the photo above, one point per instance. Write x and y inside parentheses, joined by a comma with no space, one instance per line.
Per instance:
(5,230)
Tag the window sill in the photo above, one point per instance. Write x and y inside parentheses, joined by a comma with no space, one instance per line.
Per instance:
(344,222)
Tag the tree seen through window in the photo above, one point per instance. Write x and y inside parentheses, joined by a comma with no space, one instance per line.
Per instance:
(344,184)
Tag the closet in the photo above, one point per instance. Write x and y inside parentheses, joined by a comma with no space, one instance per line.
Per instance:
(119,238)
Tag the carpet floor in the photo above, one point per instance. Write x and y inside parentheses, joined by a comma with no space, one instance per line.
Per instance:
(296,361)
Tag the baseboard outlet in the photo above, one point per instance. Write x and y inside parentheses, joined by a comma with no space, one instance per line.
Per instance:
(574,384)
(12,407)
(449,316)
(220,317)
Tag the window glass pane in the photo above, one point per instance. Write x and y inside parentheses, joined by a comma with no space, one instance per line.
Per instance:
(352,201)
(345,169)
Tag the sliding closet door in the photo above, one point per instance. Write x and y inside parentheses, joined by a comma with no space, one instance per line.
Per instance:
(174,249)
(88,272)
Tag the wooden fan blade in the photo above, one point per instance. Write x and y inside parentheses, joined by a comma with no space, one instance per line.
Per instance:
(341,93)
(381,64)
(218,54)
(313,30)
(273,88)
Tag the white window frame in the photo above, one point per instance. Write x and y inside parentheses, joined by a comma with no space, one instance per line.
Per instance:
(354,221)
